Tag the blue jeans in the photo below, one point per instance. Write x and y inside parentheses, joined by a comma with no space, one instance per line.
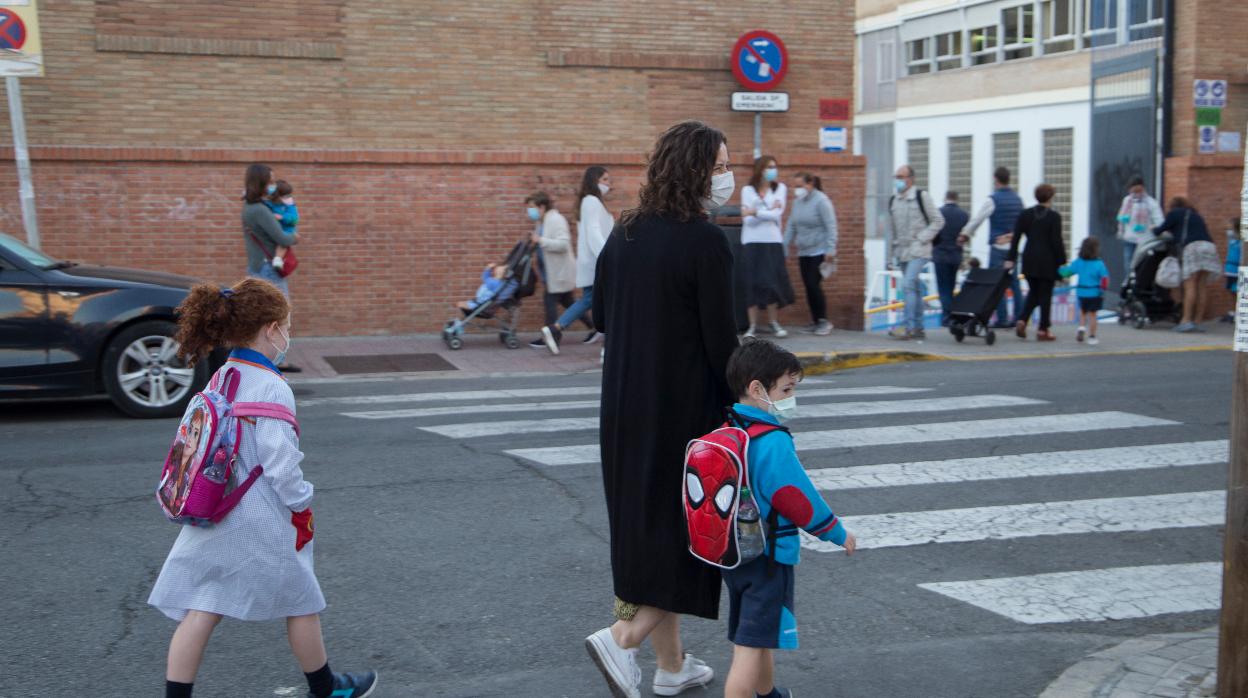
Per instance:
(996,258)
(579,308)
(1128,251)
(946,277)
(912,292)
(269,274)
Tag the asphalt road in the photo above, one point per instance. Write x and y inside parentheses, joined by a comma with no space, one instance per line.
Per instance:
(457,569)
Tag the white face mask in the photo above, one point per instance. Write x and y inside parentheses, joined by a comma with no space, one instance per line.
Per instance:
(604,188)
(783,410)
(281,353)
(722,187)
(800,192)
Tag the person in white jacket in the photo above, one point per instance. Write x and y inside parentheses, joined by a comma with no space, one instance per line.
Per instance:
(762,208)
(593,227)
(556,260)
(1137,216)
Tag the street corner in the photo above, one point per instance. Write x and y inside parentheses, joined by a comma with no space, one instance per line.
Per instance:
(1177,665)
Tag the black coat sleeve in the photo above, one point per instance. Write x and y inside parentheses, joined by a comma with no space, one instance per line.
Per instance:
(714,297)
(1021,226)
(598,308)
(1059,246)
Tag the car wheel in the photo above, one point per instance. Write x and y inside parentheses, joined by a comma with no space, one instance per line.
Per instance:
(143,374)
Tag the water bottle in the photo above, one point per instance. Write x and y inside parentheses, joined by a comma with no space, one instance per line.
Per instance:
(217,469)
(750,542)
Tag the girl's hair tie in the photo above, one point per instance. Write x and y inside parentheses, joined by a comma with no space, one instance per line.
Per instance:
(227,292)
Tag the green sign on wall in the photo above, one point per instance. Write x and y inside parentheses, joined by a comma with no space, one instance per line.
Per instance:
(1208,116)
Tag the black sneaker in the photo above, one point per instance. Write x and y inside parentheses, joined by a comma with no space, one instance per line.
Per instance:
(352,685)
(592,337)
(551,336)
(538,343)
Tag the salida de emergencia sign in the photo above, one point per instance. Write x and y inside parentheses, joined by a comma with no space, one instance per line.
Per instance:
(760,101)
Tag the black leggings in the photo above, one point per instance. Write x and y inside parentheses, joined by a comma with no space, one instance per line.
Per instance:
(813,281)
(1039,296)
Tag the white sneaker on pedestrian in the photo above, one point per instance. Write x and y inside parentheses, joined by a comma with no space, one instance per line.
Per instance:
(1080,333)
(824,328)
(751,333)
(1093,341)
(618,665)
(779,331)
(694,672)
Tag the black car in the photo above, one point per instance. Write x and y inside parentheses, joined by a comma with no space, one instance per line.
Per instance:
(71,329)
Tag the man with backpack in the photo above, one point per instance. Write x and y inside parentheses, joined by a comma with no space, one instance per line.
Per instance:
(915,222)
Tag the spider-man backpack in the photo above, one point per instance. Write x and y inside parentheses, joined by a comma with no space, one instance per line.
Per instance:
(716,466)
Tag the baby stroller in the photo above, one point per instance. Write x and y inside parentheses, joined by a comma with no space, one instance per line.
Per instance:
(972,309)
(502,311)
(1142,301)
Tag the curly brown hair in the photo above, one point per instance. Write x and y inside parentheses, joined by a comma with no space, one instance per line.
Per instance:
(678,174)
(210,317)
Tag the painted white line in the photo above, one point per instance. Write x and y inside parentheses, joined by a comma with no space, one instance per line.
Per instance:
(1094,595)
(582,390)
(937,404)
(1112,515)
(476,430)
(1097,460)
(472,410)
(910,433)
(973,429)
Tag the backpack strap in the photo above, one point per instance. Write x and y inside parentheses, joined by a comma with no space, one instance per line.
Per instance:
(226,382)
(918,194)
(272,410)
(229,501)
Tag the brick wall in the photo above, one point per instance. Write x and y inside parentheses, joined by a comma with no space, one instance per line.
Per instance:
(1202,51)
(392,238)
(1212,183)
(411,130)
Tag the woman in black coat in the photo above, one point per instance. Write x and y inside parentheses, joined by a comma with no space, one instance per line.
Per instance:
(663,294)
(1045,252)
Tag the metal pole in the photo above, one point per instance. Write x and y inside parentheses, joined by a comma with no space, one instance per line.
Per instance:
(758,135)
(1233,630)
(26,187)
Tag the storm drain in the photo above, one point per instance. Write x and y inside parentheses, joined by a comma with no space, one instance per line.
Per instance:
(389,363)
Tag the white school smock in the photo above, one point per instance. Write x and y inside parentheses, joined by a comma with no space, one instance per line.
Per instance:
(763,226)
(246,566)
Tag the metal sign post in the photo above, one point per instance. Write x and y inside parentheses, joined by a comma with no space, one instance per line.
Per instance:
(26,187)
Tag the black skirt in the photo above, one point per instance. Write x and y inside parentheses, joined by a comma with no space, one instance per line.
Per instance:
(767,276)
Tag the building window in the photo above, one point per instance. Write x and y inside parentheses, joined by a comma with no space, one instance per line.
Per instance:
(885,59)
(916,158)
(1019,26)
(1145,19)
(1005,153)
(918,56)
(960,167)
(984,41)
(1101,22)
(949,51)
(1059,148)
(1059,25)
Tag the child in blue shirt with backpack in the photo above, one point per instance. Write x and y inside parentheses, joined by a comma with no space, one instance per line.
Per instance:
(1093,280)
(764,376)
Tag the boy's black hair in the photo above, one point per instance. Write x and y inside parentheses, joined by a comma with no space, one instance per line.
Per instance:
(760,360)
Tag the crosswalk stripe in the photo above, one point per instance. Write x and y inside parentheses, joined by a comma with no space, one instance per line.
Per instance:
(1111,515)
(489,395)
(870,436)
(1097,460)
(473,409)
(834,409)
(476,430)
(1115,593)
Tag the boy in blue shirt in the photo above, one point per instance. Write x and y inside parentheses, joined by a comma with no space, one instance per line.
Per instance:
(764,376)
(1093,279)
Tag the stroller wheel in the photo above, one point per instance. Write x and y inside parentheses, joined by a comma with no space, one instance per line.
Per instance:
(958,334)
(455,343)
(512,341)
(990,338)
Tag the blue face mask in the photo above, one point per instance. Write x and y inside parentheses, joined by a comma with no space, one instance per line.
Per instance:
(770,174)
(534,214)
(899,185)
(271,189)
(281,353)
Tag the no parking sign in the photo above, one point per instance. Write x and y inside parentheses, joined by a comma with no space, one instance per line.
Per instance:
(759,60)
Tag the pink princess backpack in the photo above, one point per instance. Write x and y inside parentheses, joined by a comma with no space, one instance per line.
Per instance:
(194,482)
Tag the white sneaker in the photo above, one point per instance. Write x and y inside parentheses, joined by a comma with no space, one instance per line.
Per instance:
(751,333)
(824,328)
(1093,341)
(1080,334)
(618,665)
(694,672)
(778,330)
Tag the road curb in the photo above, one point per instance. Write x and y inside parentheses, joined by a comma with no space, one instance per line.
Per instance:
(816,363)
(1172,664)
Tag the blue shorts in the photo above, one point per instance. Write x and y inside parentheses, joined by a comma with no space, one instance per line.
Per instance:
(1091,305)
(760,607)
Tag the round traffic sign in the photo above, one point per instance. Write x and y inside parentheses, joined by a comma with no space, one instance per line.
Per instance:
(12,30)
(759,60)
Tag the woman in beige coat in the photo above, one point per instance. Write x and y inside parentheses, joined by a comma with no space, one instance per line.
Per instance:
(556,258)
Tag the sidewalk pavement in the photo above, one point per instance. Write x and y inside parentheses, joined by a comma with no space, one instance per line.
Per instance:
(1178,665)
(484,354)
